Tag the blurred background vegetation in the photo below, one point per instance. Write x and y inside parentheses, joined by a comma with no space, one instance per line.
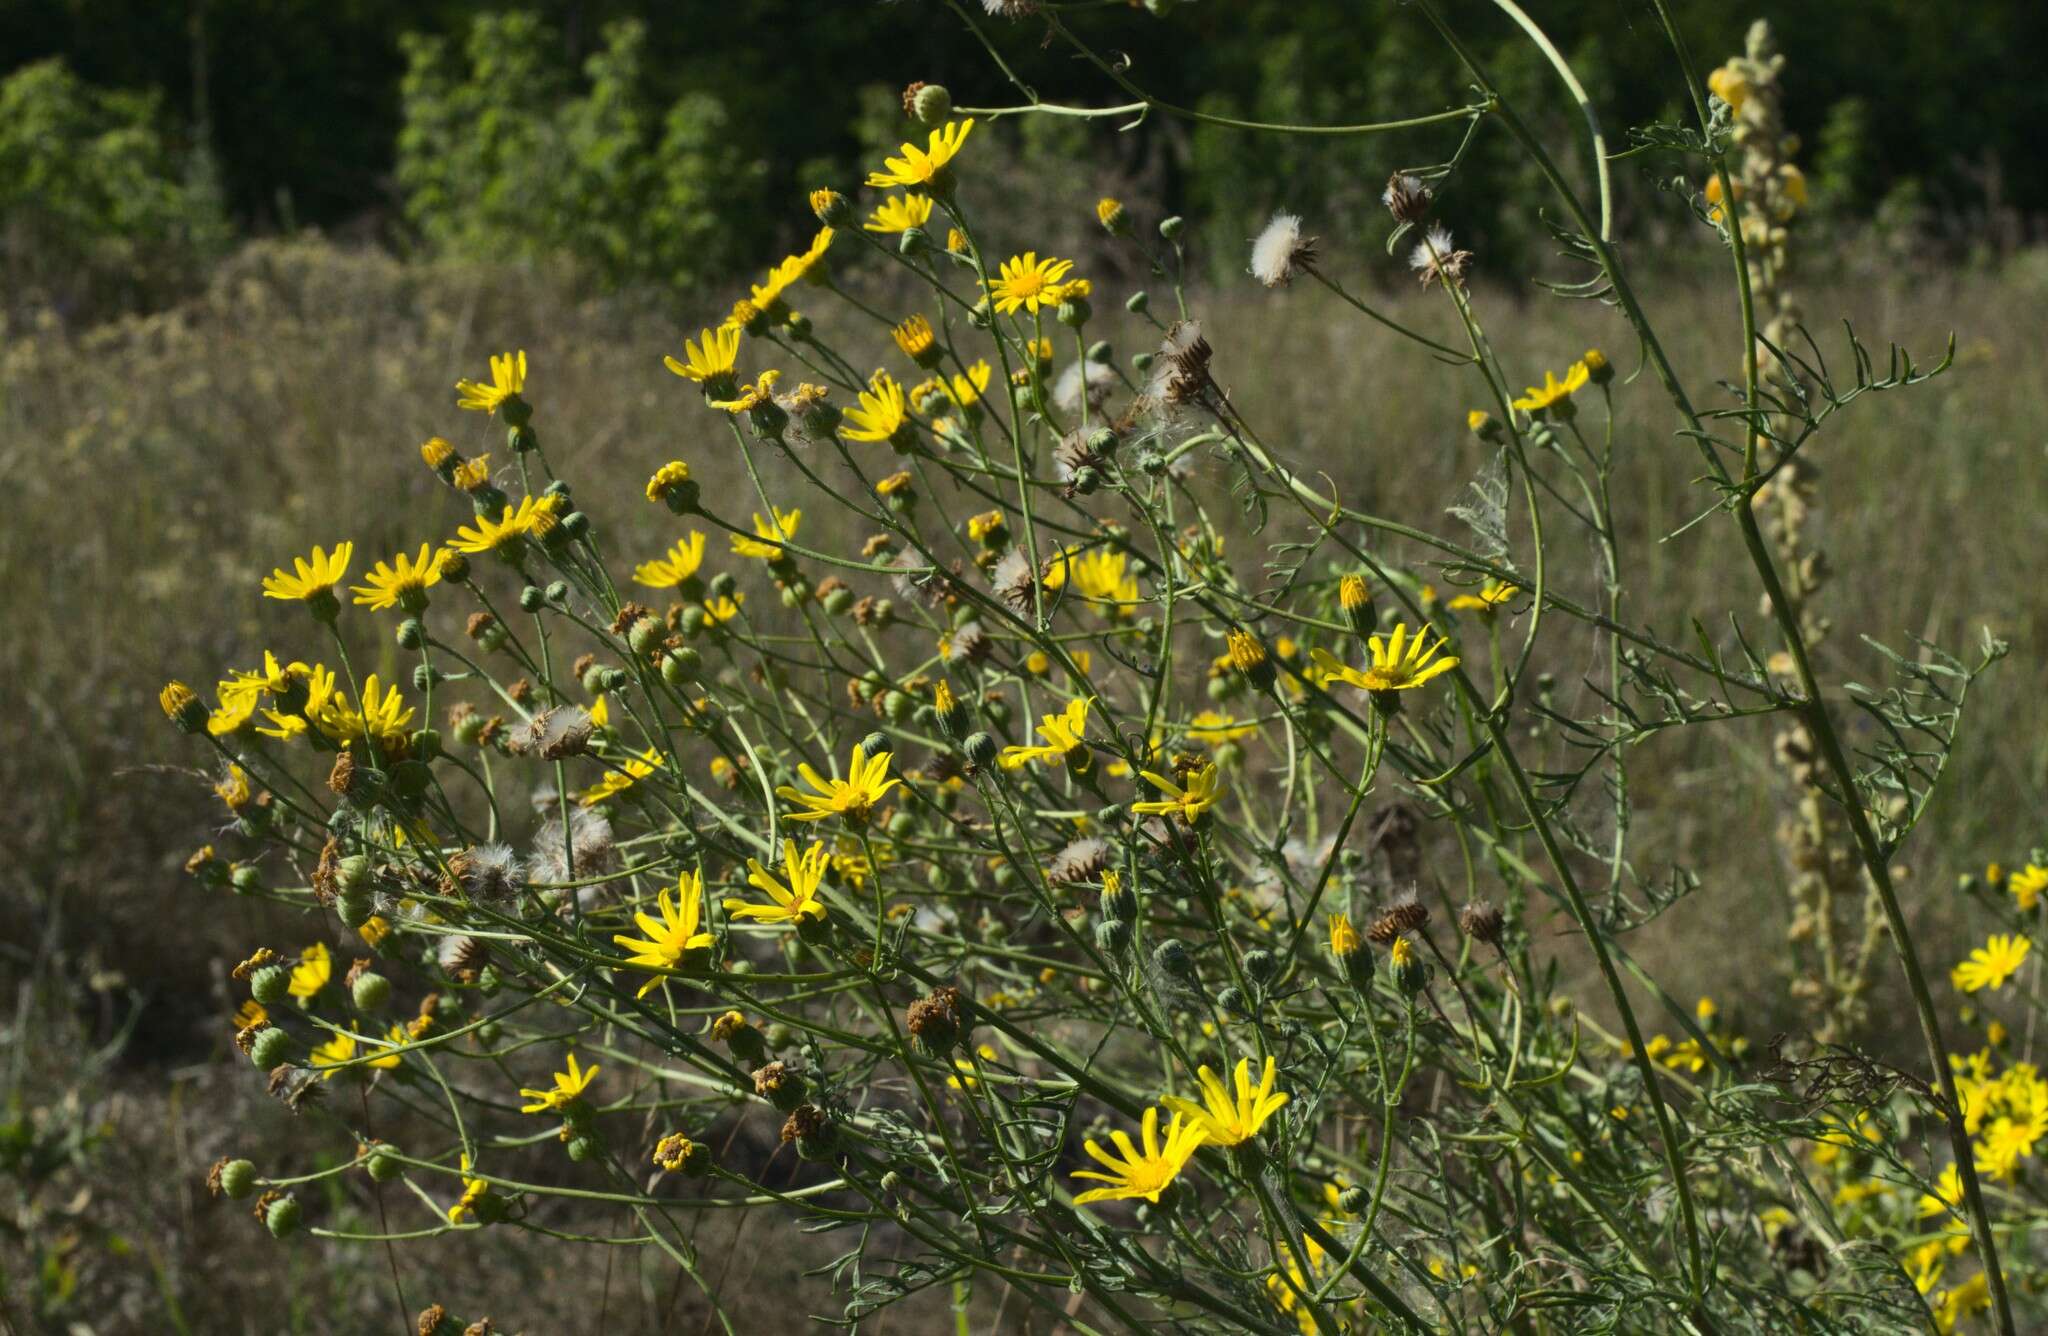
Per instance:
(246,247)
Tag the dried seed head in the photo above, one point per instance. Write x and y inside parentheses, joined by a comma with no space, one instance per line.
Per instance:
(1280,250)
(1083,860)
(554,734)
(805,1121)
(1436,258)
(969,644)
(1403,916)
(935,1022)
(1482,922)
(1014,580)
(1406,197)
(463,957)
(488,872)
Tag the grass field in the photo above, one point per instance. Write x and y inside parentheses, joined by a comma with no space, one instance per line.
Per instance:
(161,465)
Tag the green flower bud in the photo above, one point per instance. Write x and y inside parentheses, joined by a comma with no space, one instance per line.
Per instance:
(838,601)
(1260,965)
(1113,936)
(931,105)
(583,1148)
(531,599)
(1232,999)
(247,879)
(354,908)
(370,991)
(874,744)
(382,1165)
(647,635)
(1137,302)
(913,242)
(557,592)
(282,1219)
(981,750)
(237,1179)
(1171,228)
(269,1048)
(411,635)
(1172,957)
(270,984)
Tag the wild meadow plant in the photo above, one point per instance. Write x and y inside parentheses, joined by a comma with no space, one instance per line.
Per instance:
(1115,872)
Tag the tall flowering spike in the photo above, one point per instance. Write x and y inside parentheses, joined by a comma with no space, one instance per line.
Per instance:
(1134,1172)
(866,784)
(1230,1117)
(508,380)
(924,170)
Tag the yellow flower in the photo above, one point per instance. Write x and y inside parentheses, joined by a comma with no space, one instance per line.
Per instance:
(384,716)
(915,337)
(330,1055)
(900,213)
(1204,790)
(666,478)
(750,396)
(403,583)
(852,797)
(387,1056)
(1398,663)
(1344,939)
(709,356)
(918,169)
(501,535)
(1991,964)
(473,1190)
(1134,1174)
(618,781)
(783,527)
(508,378)
(1100,575)
(310,579)
(1553,390)
(1027,282)
(794,903)
(805,265)
(679,565)
(672,937)
(2027,884)
(374,930)
(1730,85)
(1213,728)
(569,1086)
(311,974)
(471,474)
(1488,600)
(1226,1120)
(722,610)
(1062,733)
(881,413)
(251,1014)
(964,1077)
(967,390)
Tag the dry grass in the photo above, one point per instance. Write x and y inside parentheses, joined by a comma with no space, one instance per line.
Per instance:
(159,466)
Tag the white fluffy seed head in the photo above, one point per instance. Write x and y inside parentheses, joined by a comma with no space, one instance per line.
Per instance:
(1279,249)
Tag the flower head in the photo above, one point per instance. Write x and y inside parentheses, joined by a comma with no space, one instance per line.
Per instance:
(865,784)
(1398,663)
(2027,884)
(666,479)
(1062,733)
(1226,1119)
(1280,249)
(749,397)
(1991,964)
(310,581)
(763,547)
(900,213)
(401,583)
(473,1192)
(795,903)
(672,937)
(881,415)
(1134,1173)
(502,535)
(1203,791)
(1027,282)
(679,564)
(1489,600)
(919,169)
(569,1086)
(709,357)
(1554,392)
(508,378)
(311,974)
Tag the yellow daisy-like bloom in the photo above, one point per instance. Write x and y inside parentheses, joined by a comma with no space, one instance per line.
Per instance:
(618,781)
(666,478)
(900,213)
(473,1190)
(251,1014)
(384,716)
(1204,790)
(1490,597)
(320,700)
(721,610)
(568,1086)
(311,974)
(682,562)
(339,1049)
(1100,575)
(312,579)
(1344,939)
(1226,1120)
(795,903)
(750,396)
(1027,282)
(374,930)
(471,474)
(915,337)
(1212,728)
(1554,390)
(853,797)
(1398,663)
(764,547)
(1146,1174)
(2027,884)
(708,356)
(237,708)
(674,936)
(508,378)
(918,169)
(967,390)
(501,535)
(402,583)
(1991,964)
(806,264)
(881,413)
(1063,734)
